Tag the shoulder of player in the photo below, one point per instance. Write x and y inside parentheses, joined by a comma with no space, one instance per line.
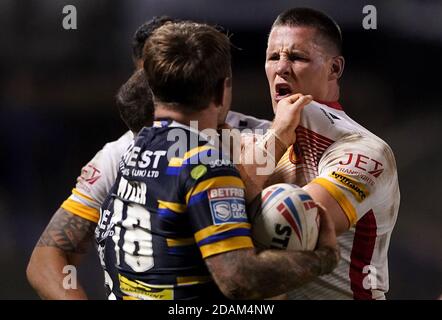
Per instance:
(364,153)
(361,141)
(118,146)
(211,164)
(108,154)
(105,160)
(331,122)
(242,121)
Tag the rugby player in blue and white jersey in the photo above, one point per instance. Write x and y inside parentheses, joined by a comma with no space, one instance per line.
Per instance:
(70,231)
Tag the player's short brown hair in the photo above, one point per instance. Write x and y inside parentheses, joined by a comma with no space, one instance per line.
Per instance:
(325,25)
(186,64)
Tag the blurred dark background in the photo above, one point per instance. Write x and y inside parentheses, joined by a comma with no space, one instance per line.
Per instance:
(56,110)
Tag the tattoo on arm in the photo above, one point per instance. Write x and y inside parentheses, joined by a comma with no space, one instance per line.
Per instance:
(67,232)
(243,274)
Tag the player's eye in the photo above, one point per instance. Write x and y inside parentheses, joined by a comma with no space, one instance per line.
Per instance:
(273,57)
(295,57)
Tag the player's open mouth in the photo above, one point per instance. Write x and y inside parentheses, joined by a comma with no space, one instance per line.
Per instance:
(282,90)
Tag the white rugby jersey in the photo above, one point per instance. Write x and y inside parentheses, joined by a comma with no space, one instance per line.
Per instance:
(358,169)
(96,179)
(99,174)
(241,121)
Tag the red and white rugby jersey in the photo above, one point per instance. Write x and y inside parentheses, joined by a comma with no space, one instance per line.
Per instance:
(96,179)
(358,169)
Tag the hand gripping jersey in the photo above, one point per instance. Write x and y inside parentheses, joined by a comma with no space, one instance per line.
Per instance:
(100,173)
(176,201)
(358,169)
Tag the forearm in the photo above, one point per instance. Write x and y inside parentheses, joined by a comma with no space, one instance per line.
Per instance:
(45,274)
(271,272)
(258,161)
(64,242)
(278,272)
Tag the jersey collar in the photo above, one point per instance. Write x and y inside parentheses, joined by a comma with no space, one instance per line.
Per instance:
(332,104)
(167,122)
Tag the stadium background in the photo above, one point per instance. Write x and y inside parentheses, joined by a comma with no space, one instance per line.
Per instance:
(57,110)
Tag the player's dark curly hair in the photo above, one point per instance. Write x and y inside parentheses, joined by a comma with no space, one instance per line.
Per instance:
(134,102)
(308,17)
(145,31)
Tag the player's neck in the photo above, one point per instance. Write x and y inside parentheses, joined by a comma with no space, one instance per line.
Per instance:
(332,93)
(206,118)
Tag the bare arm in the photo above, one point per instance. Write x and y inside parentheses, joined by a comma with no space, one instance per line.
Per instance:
(320,194)
(64,242)
(246,274)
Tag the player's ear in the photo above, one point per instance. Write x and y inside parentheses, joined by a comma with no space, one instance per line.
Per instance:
(225,99)
(227,92)
(336,67)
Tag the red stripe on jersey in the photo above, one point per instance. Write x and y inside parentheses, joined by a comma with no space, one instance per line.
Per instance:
(320,144)
(361,254)
(309,144)
(312,146)
(314,134)
(309,158)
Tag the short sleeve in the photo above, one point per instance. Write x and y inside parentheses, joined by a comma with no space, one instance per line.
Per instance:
(215,199)
(359,172)
(96,179)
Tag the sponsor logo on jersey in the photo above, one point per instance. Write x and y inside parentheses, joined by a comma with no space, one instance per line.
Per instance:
(142,160)
(198,171)
(227,205)
(334,116)
(141,290)
(220,163)
(134,191)
(104,218)
(357,173)
(134,172)
(90,174)
(355,187)
(104,226)
(330,116)
(243,124)
(364,163)
(222,210)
